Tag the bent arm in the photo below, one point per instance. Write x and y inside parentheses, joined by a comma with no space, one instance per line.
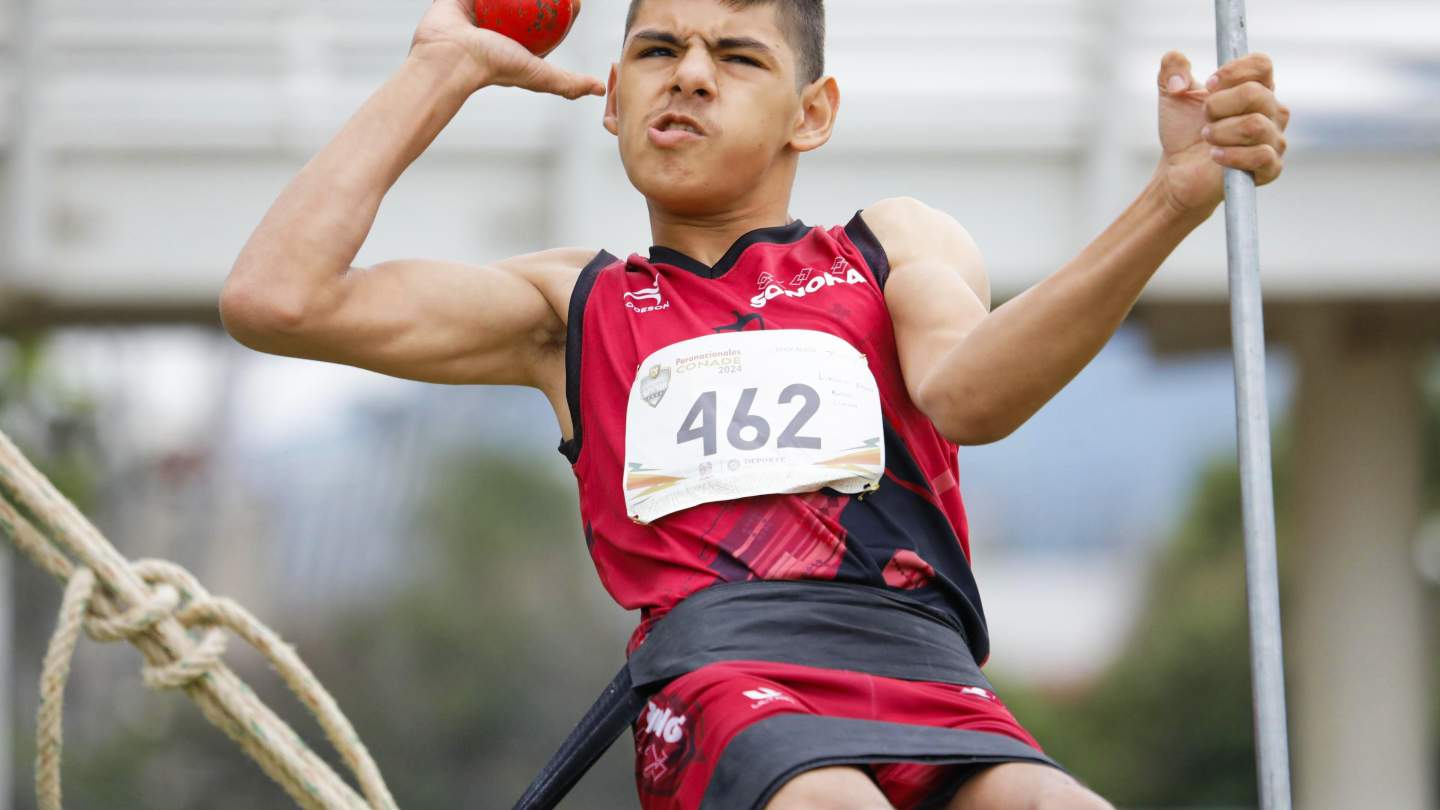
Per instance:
(315,228)
(293,290)
(977,374)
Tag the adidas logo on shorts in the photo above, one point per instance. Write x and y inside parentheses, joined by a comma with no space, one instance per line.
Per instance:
(764,696)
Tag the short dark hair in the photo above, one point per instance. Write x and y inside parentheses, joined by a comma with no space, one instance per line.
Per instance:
(802,21)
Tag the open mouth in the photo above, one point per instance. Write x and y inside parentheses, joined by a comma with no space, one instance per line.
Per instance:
(672,129)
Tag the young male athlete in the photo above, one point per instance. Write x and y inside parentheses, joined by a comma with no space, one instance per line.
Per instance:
(762,416)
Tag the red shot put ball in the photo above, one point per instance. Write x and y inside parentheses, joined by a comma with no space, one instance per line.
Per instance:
(539,25)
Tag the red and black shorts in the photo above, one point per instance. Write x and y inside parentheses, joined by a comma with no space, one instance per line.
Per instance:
(730,734)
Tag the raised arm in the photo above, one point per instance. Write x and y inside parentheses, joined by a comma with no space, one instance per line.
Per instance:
(979,375)
(293,289)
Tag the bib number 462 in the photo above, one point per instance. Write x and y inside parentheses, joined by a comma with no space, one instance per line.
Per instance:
(746,430)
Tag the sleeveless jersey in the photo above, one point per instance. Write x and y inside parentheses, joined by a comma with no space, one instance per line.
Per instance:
(909,534)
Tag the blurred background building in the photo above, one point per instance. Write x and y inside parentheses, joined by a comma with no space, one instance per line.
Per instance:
(142,140)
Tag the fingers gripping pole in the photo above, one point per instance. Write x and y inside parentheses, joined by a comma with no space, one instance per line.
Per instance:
(1248,328)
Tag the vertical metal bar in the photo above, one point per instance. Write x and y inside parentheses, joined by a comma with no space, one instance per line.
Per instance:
(19,262)
(1248,329)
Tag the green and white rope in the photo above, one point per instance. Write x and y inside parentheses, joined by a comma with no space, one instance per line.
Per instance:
(157,606)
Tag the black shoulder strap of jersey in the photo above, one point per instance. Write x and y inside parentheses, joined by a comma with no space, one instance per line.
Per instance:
(864,238)
(574,332)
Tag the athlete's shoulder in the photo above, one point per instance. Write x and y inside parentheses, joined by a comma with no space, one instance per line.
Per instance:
(555,271)
(905,226)
(559,261)
(914,234)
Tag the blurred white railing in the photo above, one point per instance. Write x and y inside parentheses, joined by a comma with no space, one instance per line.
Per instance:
(1030,120)
(933,74)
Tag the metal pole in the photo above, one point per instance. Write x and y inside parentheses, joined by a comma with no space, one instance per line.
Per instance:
(19,263)
(1267,670)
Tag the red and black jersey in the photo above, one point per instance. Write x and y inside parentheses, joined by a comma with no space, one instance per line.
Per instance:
(910,534)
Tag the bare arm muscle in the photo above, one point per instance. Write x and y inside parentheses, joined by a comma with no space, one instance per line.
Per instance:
(294,289)
(937,292)
(428,320)
(980,375)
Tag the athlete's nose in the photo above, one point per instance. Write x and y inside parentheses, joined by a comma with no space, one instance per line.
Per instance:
(695,73)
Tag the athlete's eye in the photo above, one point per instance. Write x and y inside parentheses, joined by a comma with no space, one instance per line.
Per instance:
(653,51)
(744,60)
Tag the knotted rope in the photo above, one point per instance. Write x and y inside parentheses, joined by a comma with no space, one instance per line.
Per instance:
(155,605)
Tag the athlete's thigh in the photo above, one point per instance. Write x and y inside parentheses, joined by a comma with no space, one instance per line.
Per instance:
(1025,785)
(838,788)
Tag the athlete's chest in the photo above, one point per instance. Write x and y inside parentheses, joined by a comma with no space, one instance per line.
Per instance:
(649,306)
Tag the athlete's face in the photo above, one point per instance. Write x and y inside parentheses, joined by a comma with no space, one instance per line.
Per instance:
(707,107)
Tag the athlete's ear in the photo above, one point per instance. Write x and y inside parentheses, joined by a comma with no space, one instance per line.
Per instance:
(819,105)
(612,109)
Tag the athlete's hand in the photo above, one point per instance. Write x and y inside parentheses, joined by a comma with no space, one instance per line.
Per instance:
(1234,121)
(448,28)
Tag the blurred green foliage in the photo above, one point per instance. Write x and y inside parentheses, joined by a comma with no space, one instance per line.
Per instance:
(1170,723)
(1171,718)
(55,428)
(462,676)
(1432,439)
(495,647)
(462,680)
(1432,502)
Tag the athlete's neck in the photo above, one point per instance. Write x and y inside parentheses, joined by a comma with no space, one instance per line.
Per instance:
(706,238)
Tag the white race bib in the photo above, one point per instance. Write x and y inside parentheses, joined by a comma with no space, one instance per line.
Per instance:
(750,413)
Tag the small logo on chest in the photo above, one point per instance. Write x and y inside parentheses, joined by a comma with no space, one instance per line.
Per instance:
(807,282)
(742,322)
(649,299)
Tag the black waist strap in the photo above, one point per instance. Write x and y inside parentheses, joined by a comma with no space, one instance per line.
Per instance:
(820,624)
